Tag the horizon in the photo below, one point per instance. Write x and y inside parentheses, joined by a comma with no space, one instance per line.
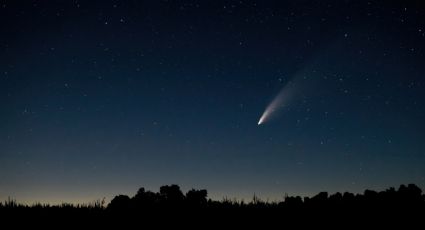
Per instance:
(223,198)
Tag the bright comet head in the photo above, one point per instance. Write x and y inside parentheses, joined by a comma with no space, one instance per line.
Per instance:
(277,103)
(261,119)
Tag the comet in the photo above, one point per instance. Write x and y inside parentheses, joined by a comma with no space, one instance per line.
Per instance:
(278,102)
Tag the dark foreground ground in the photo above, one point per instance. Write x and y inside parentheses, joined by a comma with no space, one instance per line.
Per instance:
(403,207)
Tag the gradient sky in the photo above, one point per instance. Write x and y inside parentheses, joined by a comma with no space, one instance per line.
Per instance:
(99,98)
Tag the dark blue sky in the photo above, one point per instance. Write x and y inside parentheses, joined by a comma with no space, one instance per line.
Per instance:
(102,97)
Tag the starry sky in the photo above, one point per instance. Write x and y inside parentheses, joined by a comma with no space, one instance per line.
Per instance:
(99,98)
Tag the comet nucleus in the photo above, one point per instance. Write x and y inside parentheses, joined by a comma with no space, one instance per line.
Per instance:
(279,102)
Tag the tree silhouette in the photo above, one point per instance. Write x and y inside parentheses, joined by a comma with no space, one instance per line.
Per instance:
(196,198)
(171,195)
(146,199)
(120,202)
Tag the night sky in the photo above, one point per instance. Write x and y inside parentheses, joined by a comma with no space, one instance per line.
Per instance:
(99,98)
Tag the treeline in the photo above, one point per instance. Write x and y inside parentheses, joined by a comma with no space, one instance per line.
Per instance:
(170,205)
(171,197)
